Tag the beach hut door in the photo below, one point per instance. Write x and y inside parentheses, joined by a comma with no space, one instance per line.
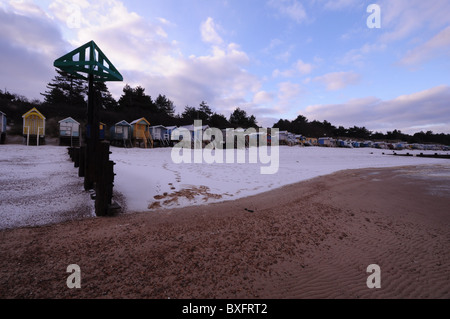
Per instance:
(125,133)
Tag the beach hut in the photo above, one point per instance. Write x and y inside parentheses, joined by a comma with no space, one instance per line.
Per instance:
(342,143)
(170,129)
(121,134)
(69,132)
(160,135)
(366,144)
(291,139)
(283,137)
(34,127)
(2,127)
(326,141)
(310,141)
(141,133)
(400,145)
(199,138)
(381,145)
(101,132)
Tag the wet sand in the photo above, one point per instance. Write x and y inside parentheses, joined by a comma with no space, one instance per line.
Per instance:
(314,239)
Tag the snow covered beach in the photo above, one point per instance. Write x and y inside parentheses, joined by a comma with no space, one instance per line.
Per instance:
(39,185)
(150,179)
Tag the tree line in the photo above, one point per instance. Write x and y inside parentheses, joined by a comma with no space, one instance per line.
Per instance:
(67,92)
(302,126)
(66,95)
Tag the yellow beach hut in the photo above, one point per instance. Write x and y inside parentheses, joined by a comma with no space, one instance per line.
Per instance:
(34,127)
(141,132)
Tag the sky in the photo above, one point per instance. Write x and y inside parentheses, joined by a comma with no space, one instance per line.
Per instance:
(276,59)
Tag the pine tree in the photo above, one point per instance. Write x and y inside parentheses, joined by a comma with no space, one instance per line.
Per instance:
(66,89)
(190,113)
(164,105)
(204,111)
(219,121)
(136,97)
(104,97)
(239,118)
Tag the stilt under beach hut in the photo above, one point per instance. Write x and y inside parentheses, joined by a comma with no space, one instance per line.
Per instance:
(121,134)
(69,132)
(34,127)
(169,130)
(160,135)
(141,133)
(2,127)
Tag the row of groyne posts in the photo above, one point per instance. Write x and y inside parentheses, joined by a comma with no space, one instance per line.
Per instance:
(93,163)
(92,158)
(98,176)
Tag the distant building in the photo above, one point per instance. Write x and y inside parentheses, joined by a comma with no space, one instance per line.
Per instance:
(101,132)
(141,133)
(121,134)
(326,141)
(310,141)
(34,127)
(160,135)
(69,132)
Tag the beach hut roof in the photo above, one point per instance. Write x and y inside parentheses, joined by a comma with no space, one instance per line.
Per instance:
(123,123)
(34,110)
(158,126)
(140,120)
(2,113)
(68,120)
(171,127)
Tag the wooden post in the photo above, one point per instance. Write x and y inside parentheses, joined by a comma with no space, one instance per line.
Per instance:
(92,138)
(104,184)
(76,157)
(81,168)
(92,164)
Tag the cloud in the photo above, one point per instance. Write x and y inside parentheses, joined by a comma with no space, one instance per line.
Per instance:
(292,9)
(209,33)
(288,91)
(273,44)
(145,55)
(438,45)
(33,32)
(356,57)
(129,41)
(299,68)
(403,18)
(340,4)
(287,96)
(425,110)
(263,97)
(29,43)
(141,49)
(338,80)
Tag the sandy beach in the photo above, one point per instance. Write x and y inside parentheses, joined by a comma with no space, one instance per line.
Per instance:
(313,239)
